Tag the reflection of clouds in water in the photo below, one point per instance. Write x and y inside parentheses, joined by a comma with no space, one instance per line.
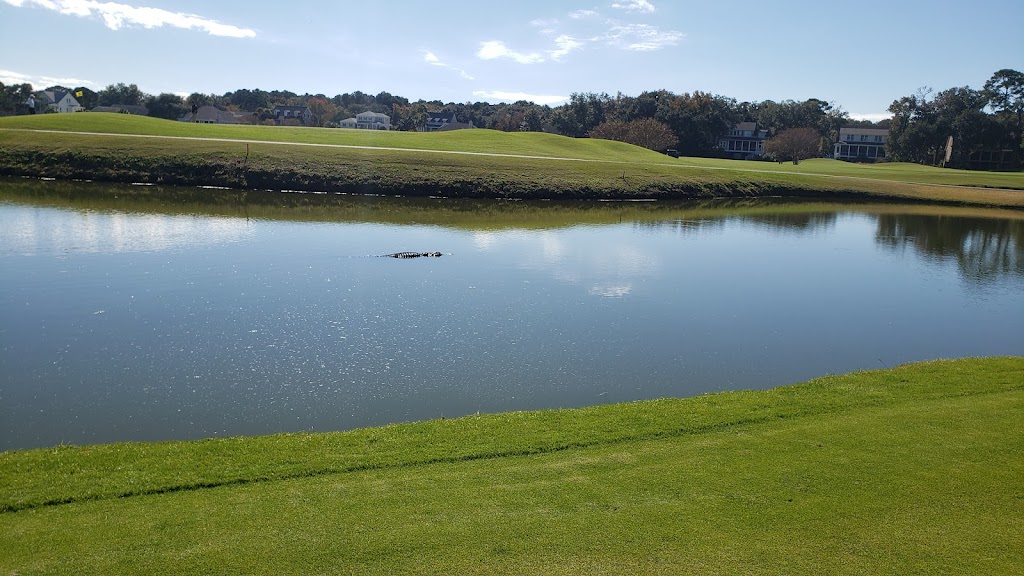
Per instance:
(484,241)
(43,231)
(606,263)
(608,291)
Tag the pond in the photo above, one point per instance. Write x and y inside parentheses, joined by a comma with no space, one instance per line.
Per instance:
(130,313)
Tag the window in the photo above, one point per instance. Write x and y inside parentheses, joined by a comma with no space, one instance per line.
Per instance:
(878,138)
(863,137)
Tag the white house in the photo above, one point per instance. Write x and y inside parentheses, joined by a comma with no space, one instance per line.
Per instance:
(61,101)
(368,121)
(861,144)
(744,141)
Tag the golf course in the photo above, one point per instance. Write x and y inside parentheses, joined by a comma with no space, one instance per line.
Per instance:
(905,469)
(464,163)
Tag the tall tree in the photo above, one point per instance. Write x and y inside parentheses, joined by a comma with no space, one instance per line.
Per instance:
(323,110)
(128,95)
(166,106)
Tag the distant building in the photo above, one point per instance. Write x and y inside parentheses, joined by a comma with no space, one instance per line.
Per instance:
(60,101)
(861,144)
(744,142)
(301,113)
(123,109)
(368,121)
(214,115)
(443,121)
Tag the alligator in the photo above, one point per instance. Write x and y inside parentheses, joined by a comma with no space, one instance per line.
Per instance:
(410,255)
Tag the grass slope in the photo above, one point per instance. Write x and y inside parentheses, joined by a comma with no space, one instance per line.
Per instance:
(889,471)
(423,164)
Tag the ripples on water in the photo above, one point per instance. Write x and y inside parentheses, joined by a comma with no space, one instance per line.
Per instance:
(122,324)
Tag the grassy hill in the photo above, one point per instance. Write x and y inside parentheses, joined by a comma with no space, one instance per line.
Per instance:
(465,163)
(914,470)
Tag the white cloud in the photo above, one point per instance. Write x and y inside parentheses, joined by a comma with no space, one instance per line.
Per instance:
(432,59)
(566,44)
(117,16)
(872,116)
(641,37)
(493,49)
(517,96)
(581,14)
(9,77)
(544,23)
(634,6)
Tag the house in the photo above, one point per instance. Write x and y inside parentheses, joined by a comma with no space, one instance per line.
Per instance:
(60,101)
(860,144)
(744,142)
(123,109)
(214,115)
(300,113)
(444,121)
(368,121)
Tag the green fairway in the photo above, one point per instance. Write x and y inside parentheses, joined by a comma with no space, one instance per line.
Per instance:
(913,470)
(465,163)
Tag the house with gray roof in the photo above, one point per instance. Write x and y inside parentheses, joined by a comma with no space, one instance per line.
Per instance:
(444,121)
(301,113)
(62,102)
(214,115)
(744,142)
(123,109)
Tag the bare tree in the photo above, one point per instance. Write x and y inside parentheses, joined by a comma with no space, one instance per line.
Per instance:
(794,144)
(645,132)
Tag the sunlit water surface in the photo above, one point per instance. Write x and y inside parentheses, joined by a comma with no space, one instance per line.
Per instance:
(122,325)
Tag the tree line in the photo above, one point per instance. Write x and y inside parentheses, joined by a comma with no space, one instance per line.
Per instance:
(990,118)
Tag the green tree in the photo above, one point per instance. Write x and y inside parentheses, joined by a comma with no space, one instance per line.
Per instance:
(167,106)
(128,95)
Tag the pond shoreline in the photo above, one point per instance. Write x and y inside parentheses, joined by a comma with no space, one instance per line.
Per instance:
(570,171)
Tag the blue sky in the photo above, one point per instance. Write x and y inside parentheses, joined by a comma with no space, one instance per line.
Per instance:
(859,55)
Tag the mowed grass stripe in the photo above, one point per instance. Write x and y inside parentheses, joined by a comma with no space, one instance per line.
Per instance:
(919,486)
(61,475)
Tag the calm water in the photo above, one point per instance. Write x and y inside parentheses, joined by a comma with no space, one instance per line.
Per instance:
(131,318)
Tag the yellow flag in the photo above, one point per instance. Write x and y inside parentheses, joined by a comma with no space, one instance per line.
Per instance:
(78,94)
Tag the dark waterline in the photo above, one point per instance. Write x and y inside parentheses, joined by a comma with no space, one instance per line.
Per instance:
(124,316)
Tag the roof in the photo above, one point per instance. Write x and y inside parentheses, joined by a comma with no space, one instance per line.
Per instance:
(441,116)
(747,126)
(129,108)
(283,107)
(865,131)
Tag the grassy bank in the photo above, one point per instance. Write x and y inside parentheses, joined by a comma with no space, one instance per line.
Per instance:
(468,163)
(889,471)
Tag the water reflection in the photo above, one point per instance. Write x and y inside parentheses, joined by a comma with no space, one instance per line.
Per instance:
(134,314)
(984,249)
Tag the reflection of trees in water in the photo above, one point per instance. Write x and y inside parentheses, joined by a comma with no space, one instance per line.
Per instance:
(779,221)
(983,248)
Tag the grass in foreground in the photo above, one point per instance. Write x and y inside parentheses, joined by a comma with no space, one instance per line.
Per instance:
(918,469)
(409,163)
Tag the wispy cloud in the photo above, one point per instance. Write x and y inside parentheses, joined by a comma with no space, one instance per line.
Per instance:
(581,14)
(566,44)
(517,96)
(493,49)
(634,6)
(117,16)
(432,59)
(9,77)
(641,37)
